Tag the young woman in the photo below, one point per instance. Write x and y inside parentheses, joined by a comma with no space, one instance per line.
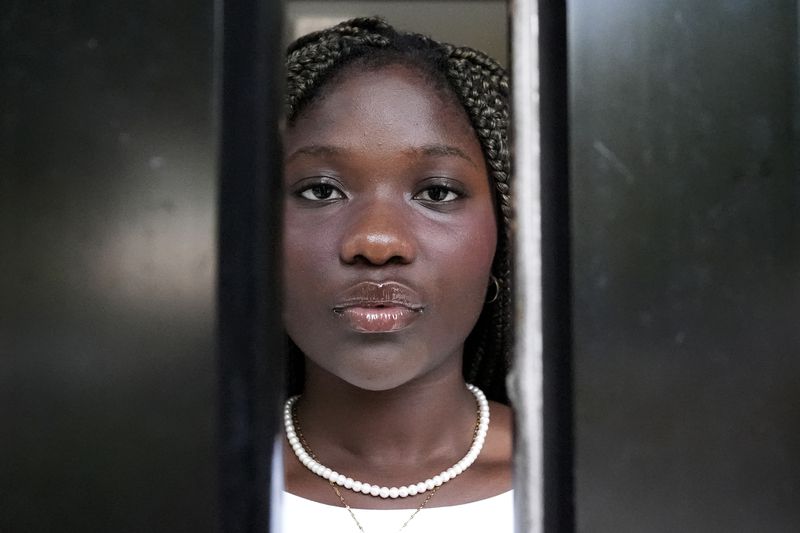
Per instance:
(396,275)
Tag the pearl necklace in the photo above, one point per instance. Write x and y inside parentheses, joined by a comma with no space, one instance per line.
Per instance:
(481,429)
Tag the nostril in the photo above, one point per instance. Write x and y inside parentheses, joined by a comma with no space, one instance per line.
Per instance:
(377,249)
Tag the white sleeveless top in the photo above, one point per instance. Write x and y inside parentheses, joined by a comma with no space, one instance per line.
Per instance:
(495,514)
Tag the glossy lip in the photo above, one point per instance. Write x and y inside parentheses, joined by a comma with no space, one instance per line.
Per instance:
(379,307)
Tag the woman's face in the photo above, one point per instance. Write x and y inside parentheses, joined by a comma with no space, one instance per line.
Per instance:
(389,229)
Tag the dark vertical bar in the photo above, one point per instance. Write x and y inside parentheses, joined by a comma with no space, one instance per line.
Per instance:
(250,359)
(107,277)
(556,268)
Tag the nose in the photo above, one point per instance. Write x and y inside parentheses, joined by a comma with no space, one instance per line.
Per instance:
(379,234)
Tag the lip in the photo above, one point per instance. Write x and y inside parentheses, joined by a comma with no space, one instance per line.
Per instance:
(379,307)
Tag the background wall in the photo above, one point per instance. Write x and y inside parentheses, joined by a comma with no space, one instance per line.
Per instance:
(686,192)
(479,24)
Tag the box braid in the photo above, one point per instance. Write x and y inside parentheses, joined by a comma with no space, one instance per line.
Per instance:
(480,86)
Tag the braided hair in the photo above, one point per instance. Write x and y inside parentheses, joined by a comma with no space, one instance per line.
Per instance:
(480,85)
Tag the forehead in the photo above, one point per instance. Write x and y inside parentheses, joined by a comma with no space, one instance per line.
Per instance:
(390,108)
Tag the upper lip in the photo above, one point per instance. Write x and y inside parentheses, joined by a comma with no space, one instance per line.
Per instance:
(379,294)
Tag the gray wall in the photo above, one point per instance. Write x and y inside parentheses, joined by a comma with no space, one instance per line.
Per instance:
(686,265)
(479,24)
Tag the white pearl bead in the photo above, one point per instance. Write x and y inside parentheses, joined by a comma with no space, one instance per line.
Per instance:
(321,470)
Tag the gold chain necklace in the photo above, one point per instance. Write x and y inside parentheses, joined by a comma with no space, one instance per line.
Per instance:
(336,489)
(360,527)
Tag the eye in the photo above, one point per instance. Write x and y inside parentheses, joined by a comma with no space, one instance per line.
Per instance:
(320,192)
(438,194)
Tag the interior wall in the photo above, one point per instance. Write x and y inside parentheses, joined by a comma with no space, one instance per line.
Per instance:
(479,24)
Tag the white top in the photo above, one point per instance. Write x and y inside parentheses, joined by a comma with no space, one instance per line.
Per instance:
(495,514)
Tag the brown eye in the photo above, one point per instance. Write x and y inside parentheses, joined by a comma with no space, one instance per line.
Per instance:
(321,191)
(438,194)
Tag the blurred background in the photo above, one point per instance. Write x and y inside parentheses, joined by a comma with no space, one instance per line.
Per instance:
(480,24)
(685,190)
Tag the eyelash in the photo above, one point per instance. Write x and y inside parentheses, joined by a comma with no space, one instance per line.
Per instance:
(327,187)
(448,191)
(327,192)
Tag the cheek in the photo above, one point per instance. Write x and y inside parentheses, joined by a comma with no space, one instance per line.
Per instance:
(479,241)
(466,265)
(474,254)
(303,259)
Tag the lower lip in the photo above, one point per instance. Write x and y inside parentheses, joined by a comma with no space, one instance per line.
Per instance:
(378,319)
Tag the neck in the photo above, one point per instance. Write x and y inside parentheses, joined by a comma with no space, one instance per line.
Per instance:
(406,423)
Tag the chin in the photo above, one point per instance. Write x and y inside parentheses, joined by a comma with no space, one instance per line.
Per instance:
(375,369)
(376,375)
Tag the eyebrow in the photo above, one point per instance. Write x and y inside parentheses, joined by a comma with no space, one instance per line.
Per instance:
(427,150)
(442,150)
(316,149)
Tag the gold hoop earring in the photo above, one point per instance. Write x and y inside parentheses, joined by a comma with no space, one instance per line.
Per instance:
(496,284)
